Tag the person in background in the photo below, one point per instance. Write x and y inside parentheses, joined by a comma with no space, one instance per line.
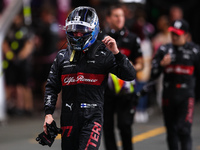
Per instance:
(176,12)
(17,48)
(163,36)
(179,62)
(118,95)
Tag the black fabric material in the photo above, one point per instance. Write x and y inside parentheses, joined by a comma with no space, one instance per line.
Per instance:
(82,129)
(84,82)
(128,44)
(93,49)
(89,90)
(178,115)
(178,92)
(18,73)
(124,108)
(183,70)
(45,139)
(48,139)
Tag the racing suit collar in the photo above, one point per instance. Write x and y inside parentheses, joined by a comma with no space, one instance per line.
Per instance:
(179,47)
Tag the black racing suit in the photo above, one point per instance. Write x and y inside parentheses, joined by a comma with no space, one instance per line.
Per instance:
(178,92)
(83,82)
(120,103)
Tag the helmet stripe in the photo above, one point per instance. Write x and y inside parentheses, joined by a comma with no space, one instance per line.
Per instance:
(85,15)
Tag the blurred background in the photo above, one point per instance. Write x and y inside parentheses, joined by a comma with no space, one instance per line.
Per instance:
(32,32)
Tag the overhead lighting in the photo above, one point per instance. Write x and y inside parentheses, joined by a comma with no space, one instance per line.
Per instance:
(133,1)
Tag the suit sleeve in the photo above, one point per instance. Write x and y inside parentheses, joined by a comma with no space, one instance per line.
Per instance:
(120,65)
(157,69)
(53,87)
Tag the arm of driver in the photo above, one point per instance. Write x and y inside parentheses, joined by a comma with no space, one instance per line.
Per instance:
(48,119)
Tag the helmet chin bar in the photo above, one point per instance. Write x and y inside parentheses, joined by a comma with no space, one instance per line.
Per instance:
(75,43)
(79,43)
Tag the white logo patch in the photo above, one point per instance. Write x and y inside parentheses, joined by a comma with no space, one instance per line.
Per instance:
(103,53)
(61,54)
(48,100)
(195,50)
(91,61)
(70,106)
(66,62)
(138,40)
(77,18)
(68,66)
(162,48)
(170,50)
(185,56)
(177,24)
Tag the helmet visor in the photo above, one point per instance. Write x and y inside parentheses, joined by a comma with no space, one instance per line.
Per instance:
(78,28)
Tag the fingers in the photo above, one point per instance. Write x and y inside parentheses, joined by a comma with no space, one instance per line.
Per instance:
(45,128)
(108,40)
(42,143)
(39,140)
(166,60)
(167,56)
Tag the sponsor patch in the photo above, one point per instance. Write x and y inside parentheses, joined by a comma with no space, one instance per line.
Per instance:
(82,78)
(180,69)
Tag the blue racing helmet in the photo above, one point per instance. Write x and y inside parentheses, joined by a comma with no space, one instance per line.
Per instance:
(82,20)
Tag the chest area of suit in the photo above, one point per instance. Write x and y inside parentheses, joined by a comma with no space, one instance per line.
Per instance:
(84,71)
(182,62)
(181,56)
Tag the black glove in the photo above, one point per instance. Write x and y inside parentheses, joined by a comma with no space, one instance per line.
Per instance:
(53,130)
(45,139)
(48,139)
(146,89)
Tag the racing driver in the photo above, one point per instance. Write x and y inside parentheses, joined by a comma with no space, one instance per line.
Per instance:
(81,71)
